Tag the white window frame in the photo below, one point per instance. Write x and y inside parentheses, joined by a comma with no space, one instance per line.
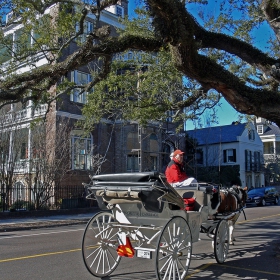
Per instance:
(8,16)
(88,28)
(4,50)
(169,114)
(14,36)
(119,11)
(81,156)
(75,96)
(260,129)
(229,153)
(154,163)
(132,163)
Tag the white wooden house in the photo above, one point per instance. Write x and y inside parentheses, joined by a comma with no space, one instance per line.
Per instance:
(270,136)
(235,144)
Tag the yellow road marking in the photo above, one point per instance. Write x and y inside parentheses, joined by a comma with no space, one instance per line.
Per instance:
(257,219)
(198,270)
(248,269)
(204,267)
(40,255)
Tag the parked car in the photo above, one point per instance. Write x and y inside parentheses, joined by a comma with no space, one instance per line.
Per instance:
(261,196)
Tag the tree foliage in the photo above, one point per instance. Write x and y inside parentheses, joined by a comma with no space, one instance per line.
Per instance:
(205,49)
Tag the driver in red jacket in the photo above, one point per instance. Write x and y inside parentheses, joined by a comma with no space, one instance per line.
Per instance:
(175,173)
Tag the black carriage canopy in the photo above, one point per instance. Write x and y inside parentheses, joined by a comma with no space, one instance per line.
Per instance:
(150,188)
(146,187)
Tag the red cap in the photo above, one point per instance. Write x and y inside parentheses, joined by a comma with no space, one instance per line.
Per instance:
(177,152)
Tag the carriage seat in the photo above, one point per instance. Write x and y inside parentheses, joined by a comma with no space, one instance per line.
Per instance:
(200,191)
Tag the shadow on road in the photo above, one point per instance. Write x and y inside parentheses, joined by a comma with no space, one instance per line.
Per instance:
(254,256)
(149,275)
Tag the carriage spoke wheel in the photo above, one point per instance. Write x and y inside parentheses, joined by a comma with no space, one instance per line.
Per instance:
(221,241)
(173,252)
(99,245)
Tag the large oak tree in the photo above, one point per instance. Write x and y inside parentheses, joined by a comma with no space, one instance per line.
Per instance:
(212,52)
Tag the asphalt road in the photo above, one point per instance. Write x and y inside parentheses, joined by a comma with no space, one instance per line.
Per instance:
(55,253)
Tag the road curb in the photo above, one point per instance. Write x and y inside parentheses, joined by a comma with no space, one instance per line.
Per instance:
(36,225)
(46,213)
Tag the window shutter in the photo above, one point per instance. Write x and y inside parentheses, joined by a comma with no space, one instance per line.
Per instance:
(234,155)
(251,162)
(72,80)
(246,160)
(225,155)
(255,165)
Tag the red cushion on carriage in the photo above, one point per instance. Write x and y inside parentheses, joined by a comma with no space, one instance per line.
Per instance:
(189,204)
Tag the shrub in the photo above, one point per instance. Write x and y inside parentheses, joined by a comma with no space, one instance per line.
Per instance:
(22,205)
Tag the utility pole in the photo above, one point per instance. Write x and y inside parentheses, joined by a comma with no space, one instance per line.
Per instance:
(140,147)
(139,129)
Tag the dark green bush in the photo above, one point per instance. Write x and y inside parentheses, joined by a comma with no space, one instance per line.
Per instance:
(22,205)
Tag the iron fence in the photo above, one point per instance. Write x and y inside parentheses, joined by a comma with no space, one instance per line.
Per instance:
(21,198)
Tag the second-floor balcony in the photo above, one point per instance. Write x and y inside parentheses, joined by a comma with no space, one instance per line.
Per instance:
(23,115)
(13,117)
(24,166)
(40,110)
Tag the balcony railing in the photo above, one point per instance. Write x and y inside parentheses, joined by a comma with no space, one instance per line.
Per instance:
(13,117)
(271,157)
(21,166)
(21,114)
(40,110)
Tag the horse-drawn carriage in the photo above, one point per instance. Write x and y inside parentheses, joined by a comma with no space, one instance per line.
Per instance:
(145,217)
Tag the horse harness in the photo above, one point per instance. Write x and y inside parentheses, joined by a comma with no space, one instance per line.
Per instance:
(234,192)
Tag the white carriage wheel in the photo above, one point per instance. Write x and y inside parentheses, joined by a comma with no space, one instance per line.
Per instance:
(174,249)
(221,241)
(99,245)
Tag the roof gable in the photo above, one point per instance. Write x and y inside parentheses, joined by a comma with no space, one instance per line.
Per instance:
(271,130)
(217,134)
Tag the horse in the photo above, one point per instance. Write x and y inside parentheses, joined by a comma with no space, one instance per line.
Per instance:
(232,200)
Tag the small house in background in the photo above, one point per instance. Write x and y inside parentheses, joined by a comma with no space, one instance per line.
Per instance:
(270,136)
(230,154)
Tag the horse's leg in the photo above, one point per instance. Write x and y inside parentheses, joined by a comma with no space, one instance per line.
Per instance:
(231,228)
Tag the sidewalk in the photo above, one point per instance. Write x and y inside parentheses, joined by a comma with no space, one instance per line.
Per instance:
(24,223)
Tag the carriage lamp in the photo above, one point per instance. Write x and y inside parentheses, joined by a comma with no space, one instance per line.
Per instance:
(125,248)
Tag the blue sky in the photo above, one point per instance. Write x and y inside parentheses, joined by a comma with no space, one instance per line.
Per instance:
(226,114)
